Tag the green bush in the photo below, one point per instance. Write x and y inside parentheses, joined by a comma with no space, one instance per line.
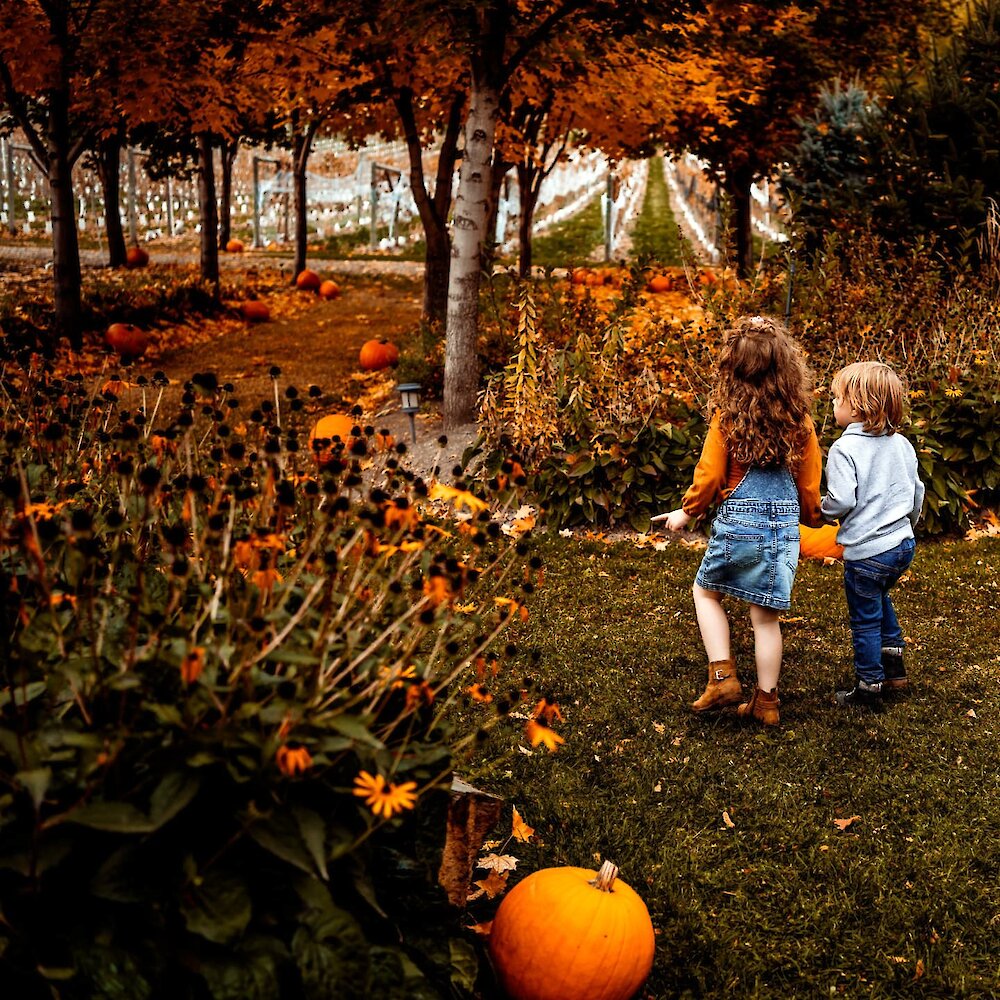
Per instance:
(225,666)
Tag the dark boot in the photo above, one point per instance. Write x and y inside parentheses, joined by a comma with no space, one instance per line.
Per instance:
(723,687)
(895,671)
(762,706)
(862,695)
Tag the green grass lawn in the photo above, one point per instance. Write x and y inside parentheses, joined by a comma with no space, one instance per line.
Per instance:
(904,902)
(572,242)
(655,235)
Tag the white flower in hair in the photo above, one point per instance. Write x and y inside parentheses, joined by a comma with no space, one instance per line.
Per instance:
(758,322)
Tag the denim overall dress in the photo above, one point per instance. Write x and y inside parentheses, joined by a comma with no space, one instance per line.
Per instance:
(753,550)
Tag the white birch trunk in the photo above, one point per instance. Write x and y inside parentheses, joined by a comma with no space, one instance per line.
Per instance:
(461,365)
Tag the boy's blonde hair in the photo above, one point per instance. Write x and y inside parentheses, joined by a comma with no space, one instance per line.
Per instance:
(873,391)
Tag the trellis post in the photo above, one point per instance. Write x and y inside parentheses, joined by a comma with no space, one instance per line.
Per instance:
(608,199)
(170,206)
(373,204)
(133,222)
(8,174)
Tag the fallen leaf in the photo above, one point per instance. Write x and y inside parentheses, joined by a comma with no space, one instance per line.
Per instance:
(498,862)
(972,714)
(919,971)
(519,829)
(482,929)
(843,824)
(727,820)
(493,884)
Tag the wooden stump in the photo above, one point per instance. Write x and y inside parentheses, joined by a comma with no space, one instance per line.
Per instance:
(471,815)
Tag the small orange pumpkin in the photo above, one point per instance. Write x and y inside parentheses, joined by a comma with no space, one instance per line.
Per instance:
(659,283)
(235,246)
(334,425)
(579,275)
(572,932)
(307,281)
(255,311)
(136,257)
(329,290)
(819,543)
(126,340)
(378,354)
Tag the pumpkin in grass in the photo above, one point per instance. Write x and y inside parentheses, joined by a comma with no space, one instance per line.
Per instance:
(378,354)
(235,246)
(329,290)
(255,311)
(126,339)
(819,543)
(136,257)
(571,932)
(307,281)
(579,275)
(659,283)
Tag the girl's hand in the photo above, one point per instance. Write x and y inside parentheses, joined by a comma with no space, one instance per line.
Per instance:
(676,520)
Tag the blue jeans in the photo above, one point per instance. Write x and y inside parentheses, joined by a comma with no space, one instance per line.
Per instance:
(873,619)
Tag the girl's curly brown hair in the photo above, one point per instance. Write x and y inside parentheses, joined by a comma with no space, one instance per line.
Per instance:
(762,393)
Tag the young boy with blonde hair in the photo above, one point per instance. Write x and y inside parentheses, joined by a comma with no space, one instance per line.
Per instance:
(873,489)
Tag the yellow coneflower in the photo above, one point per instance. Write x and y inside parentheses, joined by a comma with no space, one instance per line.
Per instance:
(385,798)
(540,732)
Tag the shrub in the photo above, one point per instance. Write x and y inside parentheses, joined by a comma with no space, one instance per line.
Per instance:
(224,677)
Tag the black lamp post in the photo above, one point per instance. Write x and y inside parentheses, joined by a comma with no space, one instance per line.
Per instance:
(409,394)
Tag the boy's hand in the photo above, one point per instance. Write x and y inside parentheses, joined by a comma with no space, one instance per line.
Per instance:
(676,520)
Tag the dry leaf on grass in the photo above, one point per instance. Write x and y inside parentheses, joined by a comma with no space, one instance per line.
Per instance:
(727,819)
(843,824)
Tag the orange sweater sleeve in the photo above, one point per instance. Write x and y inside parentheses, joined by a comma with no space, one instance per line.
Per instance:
(710,473)
(807,478)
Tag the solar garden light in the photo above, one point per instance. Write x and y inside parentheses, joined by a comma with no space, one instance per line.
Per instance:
(409,394)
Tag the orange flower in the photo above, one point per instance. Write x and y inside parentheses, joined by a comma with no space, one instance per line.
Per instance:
(546,711)
(383,797)
(479,693)
(293,760)
(404,518)
(540,732)
(265,579)
(438,589)
(193,664)
(418,695)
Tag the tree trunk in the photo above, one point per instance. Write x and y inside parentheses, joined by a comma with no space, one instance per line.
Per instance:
(461,363)
(65,245)
(433,209)
(209,212)
(499,171)
(529,185)
(228,151)
(738,183)
(302,147)
(109,162)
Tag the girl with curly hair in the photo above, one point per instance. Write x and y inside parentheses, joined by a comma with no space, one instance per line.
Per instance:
(761,459)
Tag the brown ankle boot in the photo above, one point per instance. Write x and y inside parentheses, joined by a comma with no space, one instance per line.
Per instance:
(762,706)
(723,687)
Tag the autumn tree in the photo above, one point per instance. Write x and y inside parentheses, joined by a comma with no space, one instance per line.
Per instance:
(750,70)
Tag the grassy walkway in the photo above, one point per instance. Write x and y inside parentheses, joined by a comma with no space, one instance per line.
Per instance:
(655,234)
(778,901)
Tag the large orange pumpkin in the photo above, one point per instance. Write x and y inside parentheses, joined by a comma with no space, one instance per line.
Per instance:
(126,339)
(377,354)
(235,246)
(572,932)
(255,311)
(819,543)
(659,283)
(329,290)
(136,257)
(307,281)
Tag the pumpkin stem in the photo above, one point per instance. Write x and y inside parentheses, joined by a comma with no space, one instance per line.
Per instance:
(606,877)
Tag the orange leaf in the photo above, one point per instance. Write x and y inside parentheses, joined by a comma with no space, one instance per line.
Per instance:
(519,829)
(843,824)
(493,884)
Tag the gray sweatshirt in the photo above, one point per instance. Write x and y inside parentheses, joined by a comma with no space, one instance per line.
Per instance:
(873,489)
